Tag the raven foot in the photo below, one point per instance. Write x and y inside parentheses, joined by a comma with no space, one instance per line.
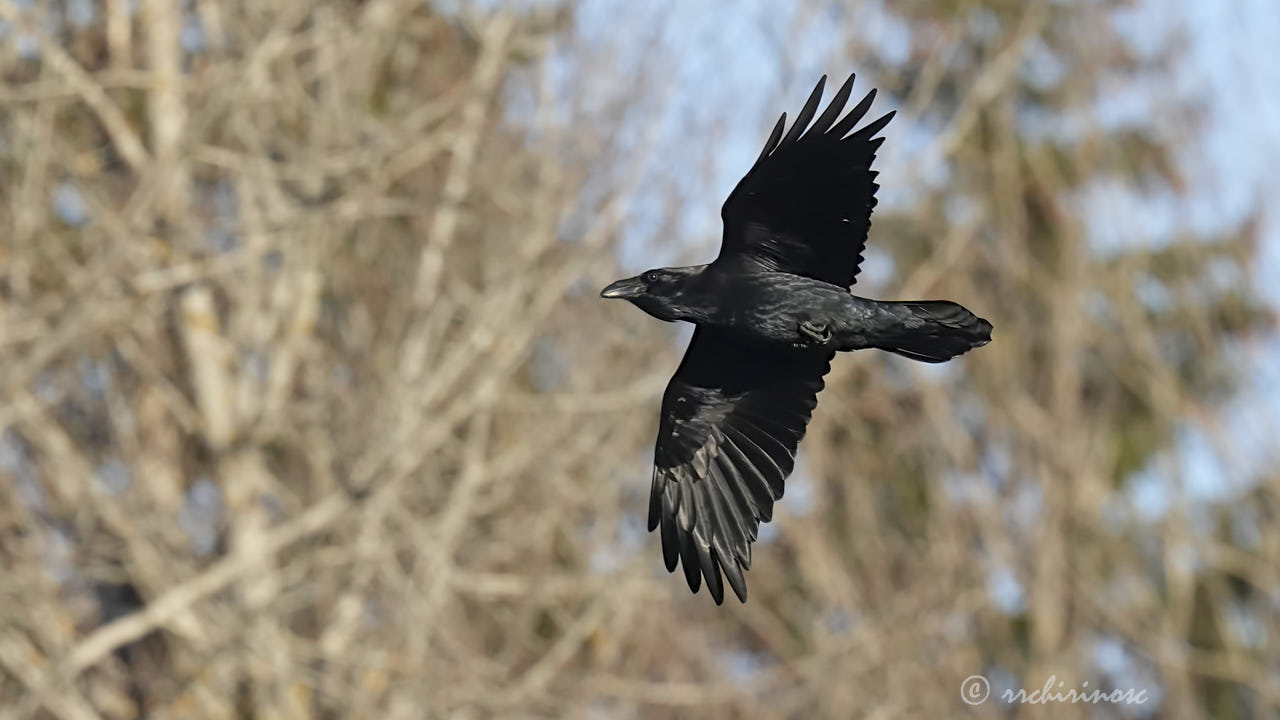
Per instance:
(813,333)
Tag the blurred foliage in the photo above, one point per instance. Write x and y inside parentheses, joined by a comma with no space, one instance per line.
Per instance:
(310,408)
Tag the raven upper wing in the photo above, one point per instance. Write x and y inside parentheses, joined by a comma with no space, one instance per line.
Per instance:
(805,206)
(732,417)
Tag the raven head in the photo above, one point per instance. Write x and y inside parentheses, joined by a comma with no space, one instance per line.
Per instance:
(658,292)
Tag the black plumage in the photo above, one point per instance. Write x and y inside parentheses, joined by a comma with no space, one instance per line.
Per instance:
(771,311)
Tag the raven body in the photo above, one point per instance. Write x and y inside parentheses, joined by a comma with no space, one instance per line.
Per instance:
(771,311)
(774,307)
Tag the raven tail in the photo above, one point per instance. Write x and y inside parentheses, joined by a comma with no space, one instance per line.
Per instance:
(933,331)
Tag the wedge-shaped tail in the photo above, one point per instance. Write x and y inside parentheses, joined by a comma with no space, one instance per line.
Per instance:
(932,331)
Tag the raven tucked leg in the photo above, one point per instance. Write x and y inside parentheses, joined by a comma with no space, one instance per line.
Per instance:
(814,334)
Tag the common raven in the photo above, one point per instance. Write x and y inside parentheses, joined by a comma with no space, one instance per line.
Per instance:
(771,311)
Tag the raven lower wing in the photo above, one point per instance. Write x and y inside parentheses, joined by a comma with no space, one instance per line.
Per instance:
(732,418)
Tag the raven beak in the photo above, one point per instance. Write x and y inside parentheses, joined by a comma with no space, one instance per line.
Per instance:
(631,287)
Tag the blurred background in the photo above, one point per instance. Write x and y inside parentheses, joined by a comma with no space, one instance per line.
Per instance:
(309,406)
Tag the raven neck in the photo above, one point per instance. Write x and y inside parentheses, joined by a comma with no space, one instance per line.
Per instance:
(698,298)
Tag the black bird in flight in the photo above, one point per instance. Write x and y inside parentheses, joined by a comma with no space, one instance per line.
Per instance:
(771,311)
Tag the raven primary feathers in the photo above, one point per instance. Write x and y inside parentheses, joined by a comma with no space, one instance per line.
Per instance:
(771,311)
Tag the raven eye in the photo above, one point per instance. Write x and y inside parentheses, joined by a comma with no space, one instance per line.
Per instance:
(651,276)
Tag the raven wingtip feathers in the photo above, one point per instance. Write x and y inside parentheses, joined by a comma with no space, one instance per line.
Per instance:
(680,549)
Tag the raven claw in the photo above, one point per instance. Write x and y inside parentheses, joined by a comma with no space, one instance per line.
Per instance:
(818,333)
